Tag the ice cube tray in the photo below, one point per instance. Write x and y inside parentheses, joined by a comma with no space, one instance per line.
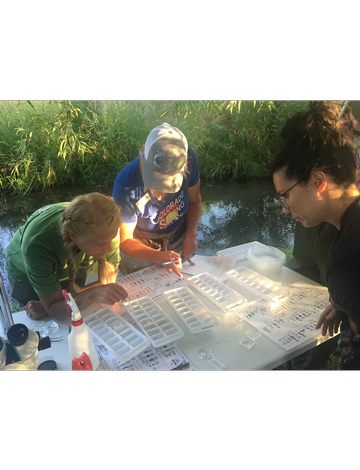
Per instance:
(117,335)
(220,294)
(239,250)
(258,283)
(191,310)
(153,321)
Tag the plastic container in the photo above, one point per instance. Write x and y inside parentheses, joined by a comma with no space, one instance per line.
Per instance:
(207,355)
(240,251)
(79,339)
(252,333)
(217,292)
(153,321)
(239,318)
(117,335)
(247,342)
(266,259)
(191,311)
(249,336)
(257,283)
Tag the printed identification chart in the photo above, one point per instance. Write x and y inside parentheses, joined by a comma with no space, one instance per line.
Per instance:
(214,265)
(290,322)
(163,358)
(151,281)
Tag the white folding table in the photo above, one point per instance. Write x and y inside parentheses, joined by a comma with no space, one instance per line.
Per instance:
(222,340)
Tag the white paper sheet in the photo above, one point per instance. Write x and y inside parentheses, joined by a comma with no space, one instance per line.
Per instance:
(165,357)
(151,281)
(290,322)
(214,265)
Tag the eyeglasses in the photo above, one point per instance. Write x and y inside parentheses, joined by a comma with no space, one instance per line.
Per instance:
(280,199)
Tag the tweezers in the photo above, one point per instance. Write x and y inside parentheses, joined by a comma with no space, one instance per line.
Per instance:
(184,366)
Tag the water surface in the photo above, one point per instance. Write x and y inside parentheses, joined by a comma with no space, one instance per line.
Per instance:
(240,212)
(232,213)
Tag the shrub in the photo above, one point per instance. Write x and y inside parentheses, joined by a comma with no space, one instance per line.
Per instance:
(87,143)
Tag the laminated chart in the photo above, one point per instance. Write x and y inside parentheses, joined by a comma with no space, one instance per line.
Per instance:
(214,265)
(151,282)
(291,321)
(163,358)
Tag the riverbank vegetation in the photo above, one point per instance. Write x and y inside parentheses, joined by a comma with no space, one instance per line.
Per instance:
(86,143)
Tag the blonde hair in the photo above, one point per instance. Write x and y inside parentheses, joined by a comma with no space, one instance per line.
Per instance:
(88,216)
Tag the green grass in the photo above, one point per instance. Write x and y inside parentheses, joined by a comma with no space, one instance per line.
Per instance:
(47,143)
(288,250)
(66,143)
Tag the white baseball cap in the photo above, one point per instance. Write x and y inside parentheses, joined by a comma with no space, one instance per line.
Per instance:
(165,157)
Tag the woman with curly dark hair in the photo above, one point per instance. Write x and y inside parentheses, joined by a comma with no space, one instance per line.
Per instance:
(315,177)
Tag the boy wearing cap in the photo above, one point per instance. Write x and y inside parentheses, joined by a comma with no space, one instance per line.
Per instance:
(159,198)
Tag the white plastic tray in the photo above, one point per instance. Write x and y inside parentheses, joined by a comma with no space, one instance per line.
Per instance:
(239,250)
(258,283)
(191,310)
(153,321)
(220,294)
(120,338)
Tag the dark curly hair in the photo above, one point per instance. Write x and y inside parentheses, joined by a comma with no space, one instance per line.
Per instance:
(317,140)
(354,108)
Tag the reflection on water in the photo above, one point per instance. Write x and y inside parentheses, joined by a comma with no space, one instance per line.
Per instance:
(241,212)
(232,213)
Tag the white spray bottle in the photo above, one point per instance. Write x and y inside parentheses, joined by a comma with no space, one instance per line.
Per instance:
(83,355)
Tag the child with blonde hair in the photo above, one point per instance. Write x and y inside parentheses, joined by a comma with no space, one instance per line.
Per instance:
(54,249)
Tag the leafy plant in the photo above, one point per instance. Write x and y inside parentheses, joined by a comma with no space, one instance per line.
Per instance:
(88,142)
(288,250)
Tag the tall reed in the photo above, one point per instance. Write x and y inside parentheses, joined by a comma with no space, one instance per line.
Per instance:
(87,143)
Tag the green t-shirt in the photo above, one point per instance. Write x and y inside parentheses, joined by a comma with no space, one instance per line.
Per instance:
(36,255)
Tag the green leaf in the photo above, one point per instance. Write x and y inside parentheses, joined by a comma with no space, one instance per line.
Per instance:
(165,112)
(29,102)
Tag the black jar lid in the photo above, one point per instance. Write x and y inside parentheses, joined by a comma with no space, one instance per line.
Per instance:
(47,365)
(17,334)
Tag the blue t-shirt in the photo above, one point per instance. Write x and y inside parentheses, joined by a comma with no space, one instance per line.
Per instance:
(142,207)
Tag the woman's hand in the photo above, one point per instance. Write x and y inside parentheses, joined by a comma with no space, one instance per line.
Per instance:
(189,247)
(329,319)
(55,306)
(168,257)
(35,310)
(109,294)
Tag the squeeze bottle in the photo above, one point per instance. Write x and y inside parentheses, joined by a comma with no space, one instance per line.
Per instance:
(79,339)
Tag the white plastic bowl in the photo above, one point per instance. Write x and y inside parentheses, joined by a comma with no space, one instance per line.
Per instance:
(266,258)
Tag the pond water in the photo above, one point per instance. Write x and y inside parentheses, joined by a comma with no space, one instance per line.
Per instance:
(232,213)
